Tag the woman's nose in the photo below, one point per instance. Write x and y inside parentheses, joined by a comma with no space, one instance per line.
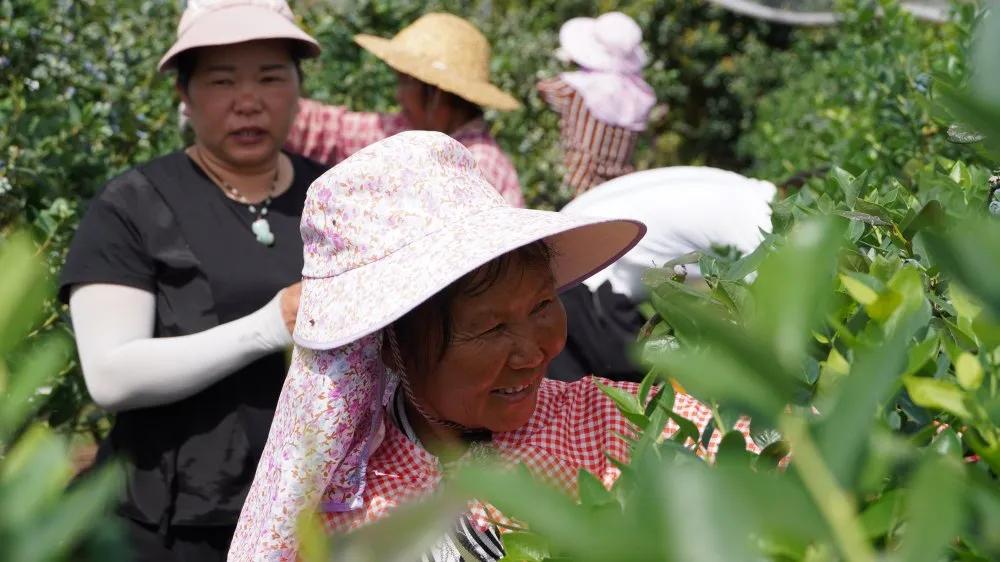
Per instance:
(247,100)
(527,352)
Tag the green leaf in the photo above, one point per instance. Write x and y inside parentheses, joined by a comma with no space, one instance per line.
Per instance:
(772,455)
(969,371)
(627,402)
(787,312)
(935,510)
(921,353)
(409,531)
(947,443)
(931,215)
(522,546)
(592,491)
(733,450)
(970,254)
(938,395)
(22,291)
(41,364)
(860,292)
(882,515)
(848,184)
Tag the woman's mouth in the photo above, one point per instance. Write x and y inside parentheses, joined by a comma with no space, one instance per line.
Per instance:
(248,135)
(514,393)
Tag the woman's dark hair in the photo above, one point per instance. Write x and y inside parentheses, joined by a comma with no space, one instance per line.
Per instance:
(425,333)
(186,61)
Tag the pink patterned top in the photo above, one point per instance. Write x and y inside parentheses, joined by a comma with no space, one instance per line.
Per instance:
(329,134)
(574,426)
(326,418)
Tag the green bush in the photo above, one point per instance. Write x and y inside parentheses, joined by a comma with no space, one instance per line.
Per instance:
(859,96)
(863,336)
(81,101)
(42,516)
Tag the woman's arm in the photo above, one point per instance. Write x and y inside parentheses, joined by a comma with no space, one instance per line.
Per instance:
(556,93)
(125,367)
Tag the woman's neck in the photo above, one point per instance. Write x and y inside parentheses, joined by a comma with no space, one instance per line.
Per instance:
(255,183)
(445,443)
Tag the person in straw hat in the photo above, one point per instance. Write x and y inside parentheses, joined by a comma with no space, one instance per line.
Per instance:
(603,106)
(428,318)
(181,282)
(442,67)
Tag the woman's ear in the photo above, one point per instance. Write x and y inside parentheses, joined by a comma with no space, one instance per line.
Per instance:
(185,99)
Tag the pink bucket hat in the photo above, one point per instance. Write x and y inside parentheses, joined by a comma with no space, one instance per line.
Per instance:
(611,42)
(207,23)
(400,220)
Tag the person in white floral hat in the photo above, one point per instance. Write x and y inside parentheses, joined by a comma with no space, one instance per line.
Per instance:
(182,283)
(429,316)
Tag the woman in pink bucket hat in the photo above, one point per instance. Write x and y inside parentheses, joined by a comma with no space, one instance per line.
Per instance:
(604,106)
(176,281)
(429,316)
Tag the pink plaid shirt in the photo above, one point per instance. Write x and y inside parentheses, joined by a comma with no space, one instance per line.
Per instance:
(329,133)
(574,426)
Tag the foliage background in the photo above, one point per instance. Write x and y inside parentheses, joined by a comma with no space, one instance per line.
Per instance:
(81,101)
(854,112)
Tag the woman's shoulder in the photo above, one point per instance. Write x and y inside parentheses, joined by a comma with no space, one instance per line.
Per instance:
(306,169)
(137,179)
(132,188)
(574,406)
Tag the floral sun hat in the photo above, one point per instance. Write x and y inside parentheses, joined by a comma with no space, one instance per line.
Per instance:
(400,220)
(383,231)
(207,23)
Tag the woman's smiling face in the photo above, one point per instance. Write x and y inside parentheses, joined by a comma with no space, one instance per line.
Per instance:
(502,340)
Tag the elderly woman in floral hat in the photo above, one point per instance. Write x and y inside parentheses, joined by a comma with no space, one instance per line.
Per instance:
(181,282)
(429,316)
(442,67)
(604,105)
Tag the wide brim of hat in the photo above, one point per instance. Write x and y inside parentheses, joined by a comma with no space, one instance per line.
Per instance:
(238,24)
(337,310)
(478,92)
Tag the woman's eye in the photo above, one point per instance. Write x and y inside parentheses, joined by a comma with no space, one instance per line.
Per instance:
(494,330)
(270,79)
(542,306)
(222,82)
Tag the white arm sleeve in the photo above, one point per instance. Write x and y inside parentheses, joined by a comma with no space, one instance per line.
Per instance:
(125,367)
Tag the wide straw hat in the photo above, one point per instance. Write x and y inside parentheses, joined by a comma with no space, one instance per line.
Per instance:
(610,43)
(403,218)
(209,23)
(446,51)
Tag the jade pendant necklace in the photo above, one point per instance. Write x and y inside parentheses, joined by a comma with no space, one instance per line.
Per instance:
(260,227)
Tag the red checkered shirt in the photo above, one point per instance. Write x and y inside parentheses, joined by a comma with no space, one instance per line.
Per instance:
(329,133)
(594,151)
(574,426)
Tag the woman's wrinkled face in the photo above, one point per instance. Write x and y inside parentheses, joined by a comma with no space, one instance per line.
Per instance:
(422,112)
(502,342)
(242,99)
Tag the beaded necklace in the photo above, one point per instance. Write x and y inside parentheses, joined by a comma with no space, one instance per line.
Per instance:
(260,227)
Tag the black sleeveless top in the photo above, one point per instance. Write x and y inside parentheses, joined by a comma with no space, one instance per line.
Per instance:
(164,227)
